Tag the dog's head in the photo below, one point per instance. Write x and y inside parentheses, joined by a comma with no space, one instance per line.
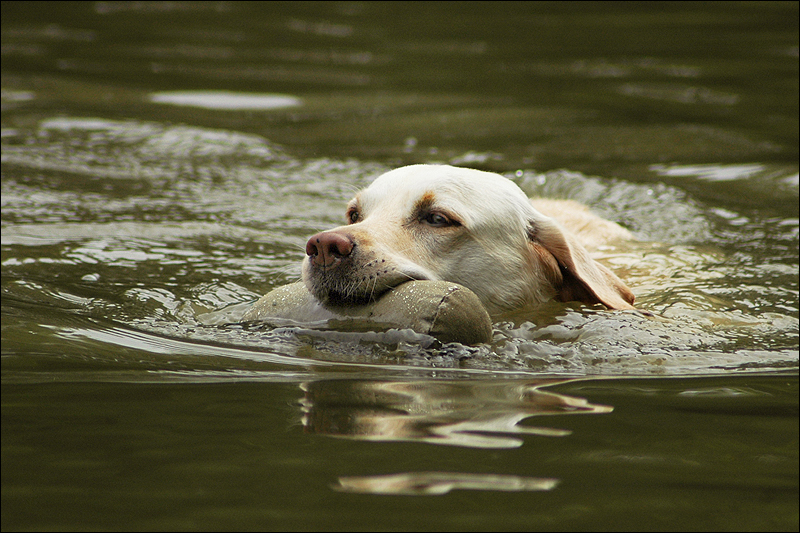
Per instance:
(475,228)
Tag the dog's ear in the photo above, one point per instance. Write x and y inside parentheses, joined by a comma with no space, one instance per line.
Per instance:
(579,277)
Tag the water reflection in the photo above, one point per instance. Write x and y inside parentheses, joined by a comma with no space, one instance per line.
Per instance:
(435,483)
(475,414)
(225,100)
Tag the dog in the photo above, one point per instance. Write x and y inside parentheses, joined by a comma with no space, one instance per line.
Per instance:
(475,228)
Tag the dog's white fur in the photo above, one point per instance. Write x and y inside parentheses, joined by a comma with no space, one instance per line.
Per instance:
(467,226)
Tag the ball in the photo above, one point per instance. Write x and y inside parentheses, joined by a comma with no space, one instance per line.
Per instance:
(447,311)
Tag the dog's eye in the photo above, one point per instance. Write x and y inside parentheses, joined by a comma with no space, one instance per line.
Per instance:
(437,220)
(353,216)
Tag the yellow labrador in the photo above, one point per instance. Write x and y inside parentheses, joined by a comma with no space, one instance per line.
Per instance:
(437,222)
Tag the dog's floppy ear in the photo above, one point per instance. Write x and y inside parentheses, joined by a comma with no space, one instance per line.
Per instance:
(581,277)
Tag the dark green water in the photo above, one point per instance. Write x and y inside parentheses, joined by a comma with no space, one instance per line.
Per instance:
(163,161)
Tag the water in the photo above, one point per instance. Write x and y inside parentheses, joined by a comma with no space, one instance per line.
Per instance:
(165,161)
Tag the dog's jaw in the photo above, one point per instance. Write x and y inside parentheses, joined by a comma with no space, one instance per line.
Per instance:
(348,284)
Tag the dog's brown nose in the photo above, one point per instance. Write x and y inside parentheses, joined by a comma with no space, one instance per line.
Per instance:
(326,249)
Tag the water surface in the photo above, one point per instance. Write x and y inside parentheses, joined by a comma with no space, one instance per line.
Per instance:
(165,161)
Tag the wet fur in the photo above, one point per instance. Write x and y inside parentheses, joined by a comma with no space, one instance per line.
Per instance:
(467,226)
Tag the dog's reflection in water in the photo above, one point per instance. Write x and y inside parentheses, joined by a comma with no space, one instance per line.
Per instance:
(436,483)
(476,414)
